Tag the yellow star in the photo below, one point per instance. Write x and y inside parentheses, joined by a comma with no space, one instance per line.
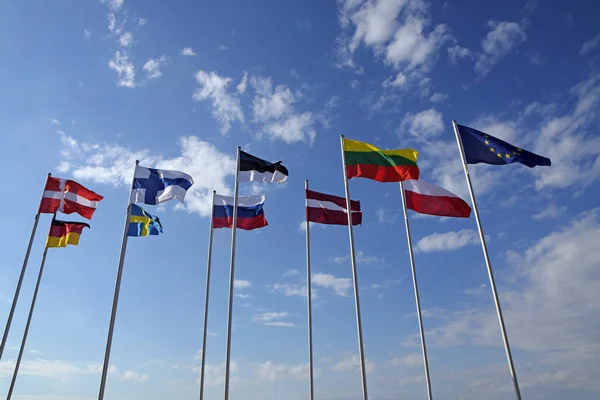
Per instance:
(518,149)
(487,142)
(499,155)
(515,153)
(507,155)
(486,136)
(492,150)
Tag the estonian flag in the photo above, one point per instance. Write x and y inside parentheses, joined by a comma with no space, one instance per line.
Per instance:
(258,170)
(142,223)
(155,186)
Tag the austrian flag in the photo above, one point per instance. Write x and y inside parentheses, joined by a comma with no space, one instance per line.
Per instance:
(68,197)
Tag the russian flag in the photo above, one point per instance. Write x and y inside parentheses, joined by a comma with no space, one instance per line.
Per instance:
(250,212)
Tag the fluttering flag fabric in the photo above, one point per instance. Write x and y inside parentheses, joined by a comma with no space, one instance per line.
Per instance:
(254,169)
(427,198)
(480,147)
(154,186)
(364,160)
(68,197)
(250,212)
(328,209)
(142,223)
(63,233)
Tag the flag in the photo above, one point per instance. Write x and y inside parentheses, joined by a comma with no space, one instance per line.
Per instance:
(155,186)
(250,212)
(480,147)
(68,197)
(63,233)
(427,198)
(327,209)
(258,170)
(367,161)
(142,223)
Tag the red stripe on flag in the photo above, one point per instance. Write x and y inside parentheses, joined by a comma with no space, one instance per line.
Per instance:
(70,207)
(442,206)
(331,217)
(61,229)
(53,184)
(340,201)
(49,206)
(246,224)
(74,187)
(383,174)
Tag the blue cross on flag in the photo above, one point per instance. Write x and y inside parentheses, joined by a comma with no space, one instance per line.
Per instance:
(155,186)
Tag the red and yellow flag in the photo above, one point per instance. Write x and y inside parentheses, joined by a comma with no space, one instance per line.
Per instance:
(63,233)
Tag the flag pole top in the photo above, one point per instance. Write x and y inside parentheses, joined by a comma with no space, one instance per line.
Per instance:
(137,162)
(239,147)
(342,136)
(49,174)
(214,191)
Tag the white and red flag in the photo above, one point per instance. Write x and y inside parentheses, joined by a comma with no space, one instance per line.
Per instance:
(68,197)
(327,209)
(427,198)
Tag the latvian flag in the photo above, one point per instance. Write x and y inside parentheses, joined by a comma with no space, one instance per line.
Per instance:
(254,169)
(250,212)
(327,209)
(427,198)
(68,197)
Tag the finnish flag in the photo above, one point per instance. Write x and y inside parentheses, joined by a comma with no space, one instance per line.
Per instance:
(155,186)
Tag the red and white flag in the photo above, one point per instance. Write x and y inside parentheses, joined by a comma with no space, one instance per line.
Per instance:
(427,198)
(327,209)
(68,197)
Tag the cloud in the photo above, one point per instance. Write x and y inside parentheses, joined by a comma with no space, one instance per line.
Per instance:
(54,121)
(241,87)
(294,128)
(589,45)
(294,74)
(134,376)
(112,164)
(302,227)
(552,211)
(457,53)
(223,47)
(115,5)
(141,21)
(226,106)
(427,123)
(214,374)
(352,363)
(153,65)
(293,290)
(188,51)
(241,284)
(439,97)
(126,39)
(124,68)
(448,241)
(273,319)
(55,369)
(291,272)
(410,360)
(502,38)
(398,81)
(270,372)
(339,285)
(361,258)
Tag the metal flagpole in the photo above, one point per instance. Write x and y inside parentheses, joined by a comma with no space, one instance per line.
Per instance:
(231,273)
(361,352)
(206,297)
(23,269)
(309,299)
(31,308)
(113,314)
(417,299)
(511,365)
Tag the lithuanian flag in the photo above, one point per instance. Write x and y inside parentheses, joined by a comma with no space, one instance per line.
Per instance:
(367,161)
(63,233)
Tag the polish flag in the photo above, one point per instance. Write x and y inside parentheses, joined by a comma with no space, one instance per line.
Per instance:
(427,198)
(68,197)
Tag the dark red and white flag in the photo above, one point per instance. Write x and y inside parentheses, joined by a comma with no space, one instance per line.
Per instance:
(68,197)
(327,209)
(427,198)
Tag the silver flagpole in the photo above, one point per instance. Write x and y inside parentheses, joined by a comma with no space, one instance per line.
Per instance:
(113,314)
(23,269)
(361,352)
(511,365)
(231,273)
(309,300)
(206,297)
(31,308)
(417,299)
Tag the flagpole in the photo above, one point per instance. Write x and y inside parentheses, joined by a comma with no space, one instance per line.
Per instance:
(417,299)
(361,354)
(231,274)
(113,314)
(309,299)
(23,269)
(206,297)
(31,308)
(488,264)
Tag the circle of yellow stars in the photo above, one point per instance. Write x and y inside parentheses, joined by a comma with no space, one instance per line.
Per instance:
(507,155)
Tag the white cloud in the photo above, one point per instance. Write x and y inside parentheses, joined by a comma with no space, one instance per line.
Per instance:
(223,47)
(294,74)
(214,374)
(274,104)
(439,97)
(295,128)
(361,258)
(54,121)
(56,369)
(115,5)
(427,123)
(126,39)
(153,65)
(273,319)
(241,87)
(398,81)
(456,53)
(302,227)
(134,376)
(226,106)
(270,372)
(113,164)
(242,296)
(339,285)
(292,290)
(448,241)
(410,360)
(352,363)
(124,68)
(187,51)
(87,33)
(291,272)
(502,38)
(552,211)
(589,45)
(141,21)
(241,284)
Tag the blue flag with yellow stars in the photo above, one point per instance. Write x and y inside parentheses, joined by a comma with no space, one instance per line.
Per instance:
(480,147)
(142,223)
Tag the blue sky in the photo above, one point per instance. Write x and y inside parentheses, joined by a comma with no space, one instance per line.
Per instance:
(89,87)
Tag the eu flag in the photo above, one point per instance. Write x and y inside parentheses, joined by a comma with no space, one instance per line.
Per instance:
(480,147)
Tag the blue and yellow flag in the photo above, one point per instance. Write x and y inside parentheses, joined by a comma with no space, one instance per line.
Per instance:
(142,223)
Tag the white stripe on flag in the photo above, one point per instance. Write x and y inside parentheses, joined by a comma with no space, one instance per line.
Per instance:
(80,200)
(255,176)
(328,205)
(51,194)
(243,201)
(425,188)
